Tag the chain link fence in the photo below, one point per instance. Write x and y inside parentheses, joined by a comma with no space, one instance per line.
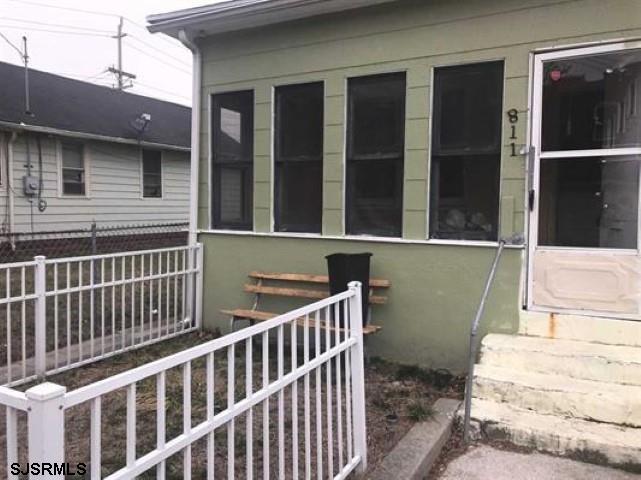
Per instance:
(94,240)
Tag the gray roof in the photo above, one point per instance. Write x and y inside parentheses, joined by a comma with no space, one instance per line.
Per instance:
(74,107)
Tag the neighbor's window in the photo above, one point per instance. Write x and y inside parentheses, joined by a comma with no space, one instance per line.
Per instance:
(466,152)
(375,152)
(232,160)
(298,152)
(151,173)
(73,168)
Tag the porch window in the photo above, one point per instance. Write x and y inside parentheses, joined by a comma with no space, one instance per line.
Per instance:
(591,141)
(73,168)
(232,160)
(151,173)
(375,154)
(466,152)
(298,152)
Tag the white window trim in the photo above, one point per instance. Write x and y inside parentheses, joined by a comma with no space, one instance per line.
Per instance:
(142,176)
(86,159)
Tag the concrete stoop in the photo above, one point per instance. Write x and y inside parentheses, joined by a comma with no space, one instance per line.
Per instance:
(568,397)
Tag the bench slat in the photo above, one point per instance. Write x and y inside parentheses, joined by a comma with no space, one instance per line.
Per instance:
(259,316)
(303,293)
(309,278)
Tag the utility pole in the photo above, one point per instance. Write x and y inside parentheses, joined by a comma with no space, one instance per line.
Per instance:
(120,74)
(25,57)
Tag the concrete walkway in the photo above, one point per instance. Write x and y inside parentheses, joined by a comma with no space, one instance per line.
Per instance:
(487,463)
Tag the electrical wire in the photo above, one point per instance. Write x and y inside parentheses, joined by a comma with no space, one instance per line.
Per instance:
(60,25)
(69,9)
(188,72)
(179,60)
(10,43)
(61,32)
(162,90)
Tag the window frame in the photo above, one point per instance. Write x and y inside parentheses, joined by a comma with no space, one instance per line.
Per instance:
(85,161)
(430,154)
(142,174)
(248,165)
(276,225)
(348,146)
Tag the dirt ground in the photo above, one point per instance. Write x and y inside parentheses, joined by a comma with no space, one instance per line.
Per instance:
(396,397)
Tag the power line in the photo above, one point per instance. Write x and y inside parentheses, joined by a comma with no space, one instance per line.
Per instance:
(70,9)
(162,90)
(179,60)
(61,32)
(10,43)
(160,60)
(73,27)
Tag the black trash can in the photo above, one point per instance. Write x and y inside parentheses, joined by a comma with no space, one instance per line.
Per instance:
(349,267)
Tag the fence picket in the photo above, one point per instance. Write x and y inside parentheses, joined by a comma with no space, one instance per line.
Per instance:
(337,452)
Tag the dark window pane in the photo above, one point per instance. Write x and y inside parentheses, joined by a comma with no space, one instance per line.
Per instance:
(151,173)
(376,115)
(467,108)
(73,182)
(299,121)
(589,202)
(233,158)
(375,189)
(299,158)
(73,168)
(465,197)
(376,142)
(592,102)
(299,188)
(465,166)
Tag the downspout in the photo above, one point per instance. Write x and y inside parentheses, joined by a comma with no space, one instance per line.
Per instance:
(195,133)
(194,281)
(10,193)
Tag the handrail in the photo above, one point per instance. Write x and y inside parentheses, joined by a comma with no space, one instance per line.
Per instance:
(516,239)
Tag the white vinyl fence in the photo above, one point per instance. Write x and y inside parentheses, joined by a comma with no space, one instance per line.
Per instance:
(282,399)
(60,313)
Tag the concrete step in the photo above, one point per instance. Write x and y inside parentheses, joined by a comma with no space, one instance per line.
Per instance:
(560,395)
(585,328)
(583,360)
(593,442)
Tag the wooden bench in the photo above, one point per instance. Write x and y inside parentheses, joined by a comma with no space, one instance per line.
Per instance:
(317,289)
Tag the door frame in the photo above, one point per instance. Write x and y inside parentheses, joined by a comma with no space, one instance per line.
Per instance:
(534,160)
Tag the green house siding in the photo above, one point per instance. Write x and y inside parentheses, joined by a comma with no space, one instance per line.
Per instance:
(435,287)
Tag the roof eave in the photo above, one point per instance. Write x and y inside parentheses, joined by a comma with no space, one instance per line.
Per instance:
(90,136)
(240,15)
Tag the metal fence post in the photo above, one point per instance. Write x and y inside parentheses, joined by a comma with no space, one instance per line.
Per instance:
(94,233)
(40,287)
(46,426)
(358,374)
(198,308)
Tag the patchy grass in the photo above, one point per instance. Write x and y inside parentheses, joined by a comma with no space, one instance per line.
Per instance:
(396,396)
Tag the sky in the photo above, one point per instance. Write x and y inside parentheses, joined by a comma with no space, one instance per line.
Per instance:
(73,38)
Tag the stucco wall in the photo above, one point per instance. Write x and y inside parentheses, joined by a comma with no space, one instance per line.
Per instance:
(436,287)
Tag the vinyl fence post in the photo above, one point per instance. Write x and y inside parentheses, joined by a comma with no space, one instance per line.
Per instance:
(198,308)
(358,375)
(46,426)
(40,287)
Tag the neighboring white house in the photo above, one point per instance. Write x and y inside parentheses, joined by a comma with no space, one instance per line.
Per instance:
(85,153)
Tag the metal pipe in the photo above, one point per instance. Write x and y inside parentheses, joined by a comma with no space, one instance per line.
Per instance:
(10,192)
(473,347)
